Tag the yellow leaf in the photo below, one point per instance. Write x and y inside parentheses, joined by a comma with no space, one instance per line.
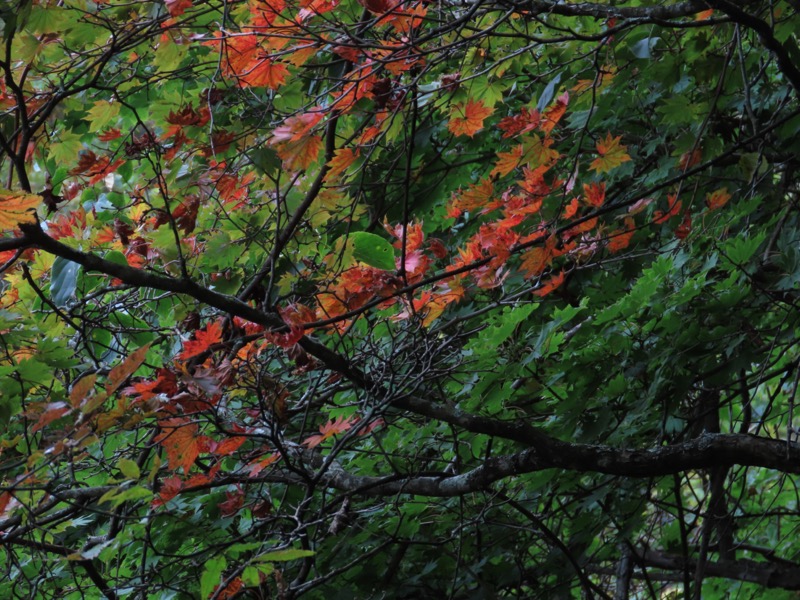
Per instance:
(15,208)
(612,154)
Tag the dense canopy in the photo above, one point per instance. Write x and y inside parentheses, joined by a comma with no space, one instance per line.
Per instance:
(399,299)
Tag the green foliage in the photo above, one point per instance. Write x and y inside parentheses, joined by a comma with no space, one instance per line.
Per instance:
(406,300)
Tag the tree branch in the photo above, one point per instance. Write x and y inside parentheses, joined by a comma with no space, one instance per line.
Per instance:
(708,450)
(604,11)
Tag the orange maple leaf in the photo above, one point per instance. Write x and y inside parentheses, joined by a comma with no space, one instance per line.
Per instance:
(717,198)
(570,210)
(109,134)
(507,161)
(467,119)
(594,194)
(265,73)
(674,208)
(612,154)
(536,260)
(179,439)
(553,115)
(203,339)
(619,240)
(583,227)
(331,428)
(341,161)
(685,228)
(475,196)
(15,208)
(551,284)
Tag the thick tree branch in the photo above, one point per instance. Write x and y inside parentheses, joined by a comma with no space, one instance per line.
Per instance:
(708,450)
(604,11)
(769,575)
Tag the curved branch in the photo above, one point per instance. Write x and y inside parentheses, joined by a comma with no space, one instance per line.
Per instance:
(764,31)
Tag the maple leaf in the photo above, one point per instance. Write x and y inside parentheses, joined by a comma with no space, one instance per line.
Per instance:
(414,236)
(15,208)
(674,208)
(514,125)
(177,7)
(179,439)
(717,198)
(341,161)
(619,240)
(437,248)
(553,115)
(259,464)
(690,159)
(536,260)
(109,134)
(594,194)
(474,197)
(265,73)
(203,339)
(170,487)
(583,227)
(331,428)
(55,410)
(685,228)
(294,142)
(570,210)
(550,285)
(467,119)
(507,161)
(232,503)
(612,154)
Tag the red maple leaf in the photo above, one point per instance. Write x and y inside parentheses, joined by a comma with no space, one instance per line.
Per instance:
(525,121)
(177,7)
(674,209)
(203,340)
